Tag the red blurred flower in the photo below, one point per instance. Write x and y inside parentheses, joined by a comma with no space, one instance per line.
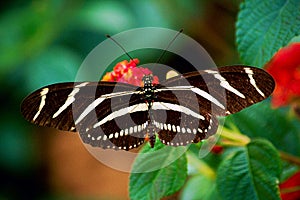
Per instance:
(217,149)
(285,69)
(290,189)
(120,69)
(127,72)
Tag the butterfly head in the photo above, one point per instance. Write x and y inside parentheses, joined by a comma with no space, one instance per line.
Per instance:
(148,89)
(148,80)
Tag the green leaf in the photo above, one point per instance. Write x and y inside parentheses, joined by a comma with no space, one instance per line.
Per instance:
(265,26)
(260,120)
(250,173)
(170,174)
(200,187)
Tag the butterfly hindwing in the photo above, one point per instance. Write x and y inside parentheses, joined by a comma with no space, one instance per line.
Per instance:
(123,127)
(181,112)
(181,129)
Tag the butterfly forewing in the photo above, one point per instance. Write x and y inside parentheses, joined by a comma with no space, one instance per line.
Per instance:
(52,105)
(226,90)
(40,106)
(253,84)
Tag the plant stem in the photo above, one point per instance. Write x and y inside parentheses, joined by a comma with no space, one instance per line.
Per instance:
(234,137)
(290,158)
(200,165)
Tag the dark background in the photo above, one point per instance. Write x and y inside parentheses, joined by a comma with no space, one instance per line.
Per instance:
(43,42)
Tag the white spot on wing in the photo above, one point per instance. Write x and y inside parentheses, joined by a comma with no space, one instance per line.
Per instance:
(174,128)
(70,99)
(225,83)
(43,102)
(183,130)
(130,130)
(135,129)
(169,127)
(165,127)
(252,81)
(104,137)
(188,130)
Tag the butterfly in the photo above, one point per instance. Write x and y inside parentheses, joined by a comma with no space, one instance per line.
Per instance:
(181,110)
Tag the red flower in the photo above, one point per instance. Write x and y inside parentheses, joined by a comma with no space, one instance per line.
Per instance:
(290,189)
(217,149)
(285,69)
(127,72)
(120,69)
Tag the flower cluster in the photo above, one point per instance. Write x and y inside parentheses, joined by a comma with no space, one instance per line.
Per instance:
(285,69)
(127,72)
(289,189)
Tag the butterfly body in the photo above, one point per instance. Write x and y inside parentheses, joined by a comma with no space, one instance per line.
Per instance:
(181,110)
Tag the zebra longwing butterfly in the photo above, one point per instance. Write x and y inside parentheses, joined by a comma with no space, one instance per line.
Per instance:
(121,116)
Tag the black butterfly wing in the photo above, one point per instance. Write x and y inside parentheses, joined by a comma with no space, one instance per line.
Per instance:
(123,126)
(113,115)
(226,90)
(181,119)
(209,93)
(181,129)
(85,104)
(40,106)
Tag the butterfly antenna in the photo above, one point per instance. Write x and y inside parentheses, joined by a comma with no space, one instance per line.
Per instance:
(117,43)
(171,42)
